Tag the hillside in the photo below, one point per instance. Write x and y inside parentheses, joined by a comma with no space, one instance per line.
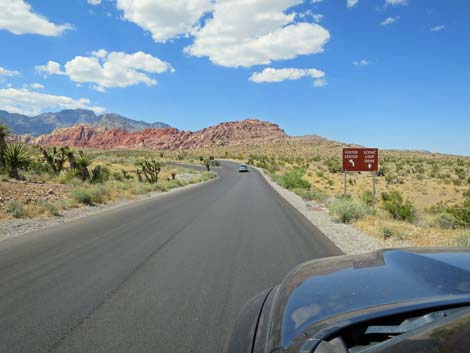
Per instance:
(246,132)
(47,122)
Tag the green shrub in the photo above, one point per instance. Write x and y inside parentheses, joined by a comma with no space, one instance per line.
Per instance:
(346,209)
(89,196)
(16,209)
(68,177)
(99,174)
(389,232)
(37,167)
(294,179)
(51,209)
(463,240)
(461,213)
(366,198)
(310,194)
(399,209)
(445,220)
(333,165)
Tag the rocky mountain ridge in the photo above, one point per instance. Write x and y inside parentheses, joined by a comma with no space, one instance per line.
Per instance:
(246,132)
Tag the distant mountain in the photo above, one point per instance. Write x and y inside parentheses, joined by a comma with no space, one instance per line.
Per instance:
(47,122)
(236,133)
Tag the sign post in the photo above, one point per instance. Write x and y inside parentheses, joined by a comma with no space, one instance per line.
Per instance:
(361,160)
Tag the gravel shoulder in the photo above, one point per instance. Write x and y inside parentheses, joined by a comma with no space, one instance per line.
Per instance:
(349,239)
(13,228)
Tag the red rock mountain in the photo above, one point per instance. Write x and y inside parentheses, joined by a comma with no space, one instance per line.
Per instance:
(246,132)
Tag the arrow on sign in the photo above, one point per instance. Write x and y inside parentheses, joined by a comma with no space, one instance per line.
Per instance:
(369,165)
(352,162)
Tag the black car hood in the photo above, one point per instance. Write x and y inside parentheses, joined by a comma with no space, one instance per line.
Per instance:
(323,289)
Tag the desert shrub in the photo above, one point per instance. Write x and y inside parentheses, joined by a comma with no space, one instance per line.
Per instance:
(445,220)
(382,171)
(461,213)
(294,179)
(69,177)
(387,232)
(208,175)
(466,193)
(310,194)
(99,174)
(50,208)
(89,196)
(16,209)
(41,208)
(398,208)
(456,182)
(392,179)
(347,209)
(460,172)
(38,168)
(333,165)
(463,240)
(366,198)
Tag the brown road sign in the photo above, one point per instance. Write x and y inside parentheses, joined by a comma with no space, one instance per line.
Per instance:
(360,159)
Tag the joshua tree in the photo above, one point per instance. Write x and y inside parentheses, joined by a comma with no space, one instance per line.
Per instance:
(207,163)
(16,156)
(150,169)
(4,133)
(56,157)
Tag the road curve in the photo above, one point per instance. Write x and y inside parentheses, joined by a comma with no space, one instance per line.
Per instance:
(161,275)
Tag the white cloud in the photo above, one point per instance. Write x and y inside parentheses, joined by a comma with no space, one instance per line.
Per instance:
(18,17)
(28,102)
(317,17)
(316,1)
(107,70)
(278,75)
(165,19)
(254,32)
(351,3)
(389,20)
(9,73)
(396,2)
(34,85)
(94,2)
(361,63)
(438,28)
(51,68)
(309,13)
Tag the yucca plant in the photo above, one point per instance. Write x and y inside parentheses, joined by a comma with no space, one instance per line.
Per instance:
(16,156)
(82,162)
(4,133)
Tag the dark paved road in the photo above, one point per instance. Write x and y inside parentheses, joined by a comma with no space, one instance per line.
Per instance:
(163,275)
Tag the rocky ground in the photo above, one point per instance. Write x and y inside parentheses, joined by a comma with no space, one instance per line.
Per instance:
(28,192)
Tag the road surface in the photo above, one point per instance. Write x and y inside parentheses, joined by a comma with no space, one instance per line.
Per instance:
(162,275)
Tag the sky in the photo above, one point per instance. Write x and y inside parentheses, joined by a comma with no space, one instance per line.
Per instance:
(380,73)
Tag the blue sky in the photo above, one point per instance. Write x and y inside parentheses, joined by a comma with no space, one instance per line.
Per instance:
(382,73)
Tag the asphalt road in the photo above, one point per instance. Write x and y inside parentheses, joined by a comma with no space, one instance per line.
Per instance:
(161,275)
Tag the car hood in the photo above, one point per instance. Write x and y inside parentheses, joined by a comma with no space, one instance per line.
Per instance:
(319,290)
